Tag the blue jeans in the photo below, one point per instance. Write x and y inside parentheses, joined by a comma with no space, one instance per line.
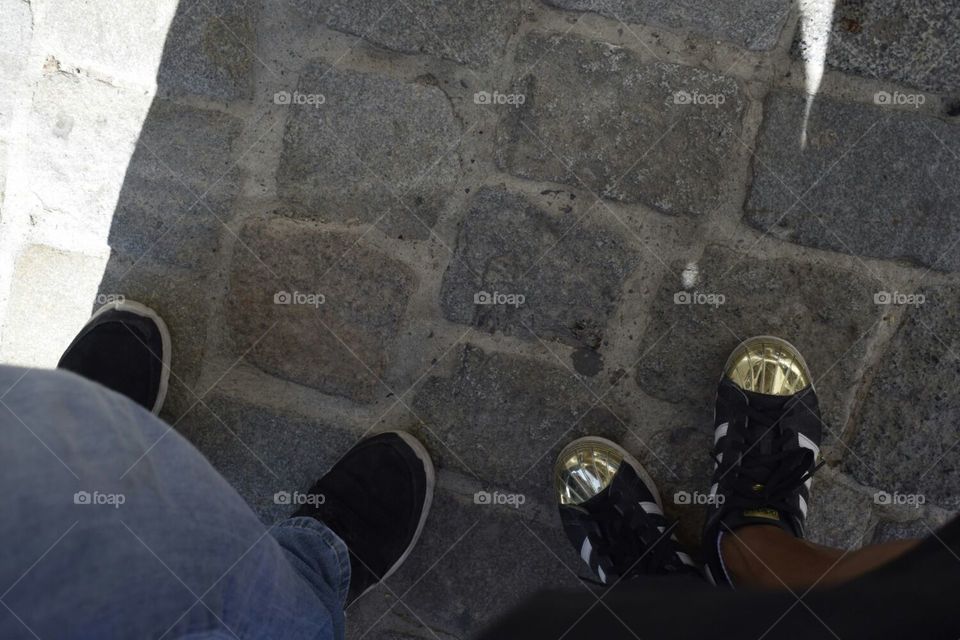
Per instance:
(114,526)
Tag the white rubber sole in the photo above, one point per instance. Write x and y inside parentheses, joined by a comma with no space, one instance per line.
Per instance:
(136,308)
(431,481)
(629,459)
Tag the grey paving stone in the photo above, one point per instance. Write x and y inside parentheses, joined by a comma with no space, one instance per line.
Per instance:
(498,415)
(261,451)
(824,311)
(909,42)
(182,154)
(874,181)
(377,149)
(184,302)
(338,341)
(906,436)
(477,580)
(568,273)
(630,131)
(753,24)
(464,31)
(210,51)
(838,515)
(922,527)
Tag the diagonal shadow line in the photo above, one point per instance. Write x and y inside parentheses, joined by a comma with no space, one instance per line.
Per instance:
(177,176)
(198,198)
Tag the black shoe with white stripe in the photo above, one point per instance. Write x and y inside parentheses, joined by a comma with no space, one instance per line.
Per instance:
(611,511)
(766,445)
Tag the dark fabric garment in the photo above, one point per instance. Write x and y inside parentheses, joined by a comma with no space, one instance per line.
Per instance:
(913,597)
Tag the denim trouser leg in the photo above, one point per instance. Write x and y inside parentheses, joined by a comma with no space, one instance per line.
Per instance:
(114,526)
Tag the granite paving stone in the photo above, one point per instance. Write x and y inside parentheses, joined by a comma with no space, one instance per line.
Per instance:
(596,116)
(499,415)
(839,515)
(368,149)
(180,187)
(263,452)
(871,180)
(315,307)
(910,42)
(524,270)
(752,24)
(210,51)
(468,32)
(927,524)
(906,441)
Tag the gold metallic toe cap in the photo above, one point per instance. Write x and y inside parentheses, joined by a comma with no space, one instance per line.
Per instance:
(768,365)
(586,467)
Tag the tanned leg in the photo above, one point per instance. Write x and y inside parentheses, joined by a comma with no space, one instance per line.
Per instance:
(769,557)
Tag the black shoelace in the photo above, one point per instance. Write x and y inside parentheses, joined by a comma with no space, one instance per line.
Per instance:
(630,546)
(765,473)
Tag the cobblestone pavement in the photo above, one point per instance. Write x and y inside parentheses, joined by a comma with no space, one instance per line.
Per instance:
(505,224)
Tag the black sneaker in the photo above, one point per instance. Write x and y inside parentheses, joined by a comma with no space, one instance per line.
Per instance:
(766,445)
(611,512)
(125,346)
(376,499)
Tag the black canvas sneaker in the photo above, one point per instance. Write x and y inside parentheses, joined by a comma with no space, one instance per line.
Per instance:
(766,445)
(376,499)
(125,346)
(611,512)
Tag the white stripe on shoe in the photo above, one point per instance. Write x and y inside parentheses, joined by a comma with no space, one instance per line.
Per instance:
(807,443)
(720,432)
(586,550)
(651,507)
